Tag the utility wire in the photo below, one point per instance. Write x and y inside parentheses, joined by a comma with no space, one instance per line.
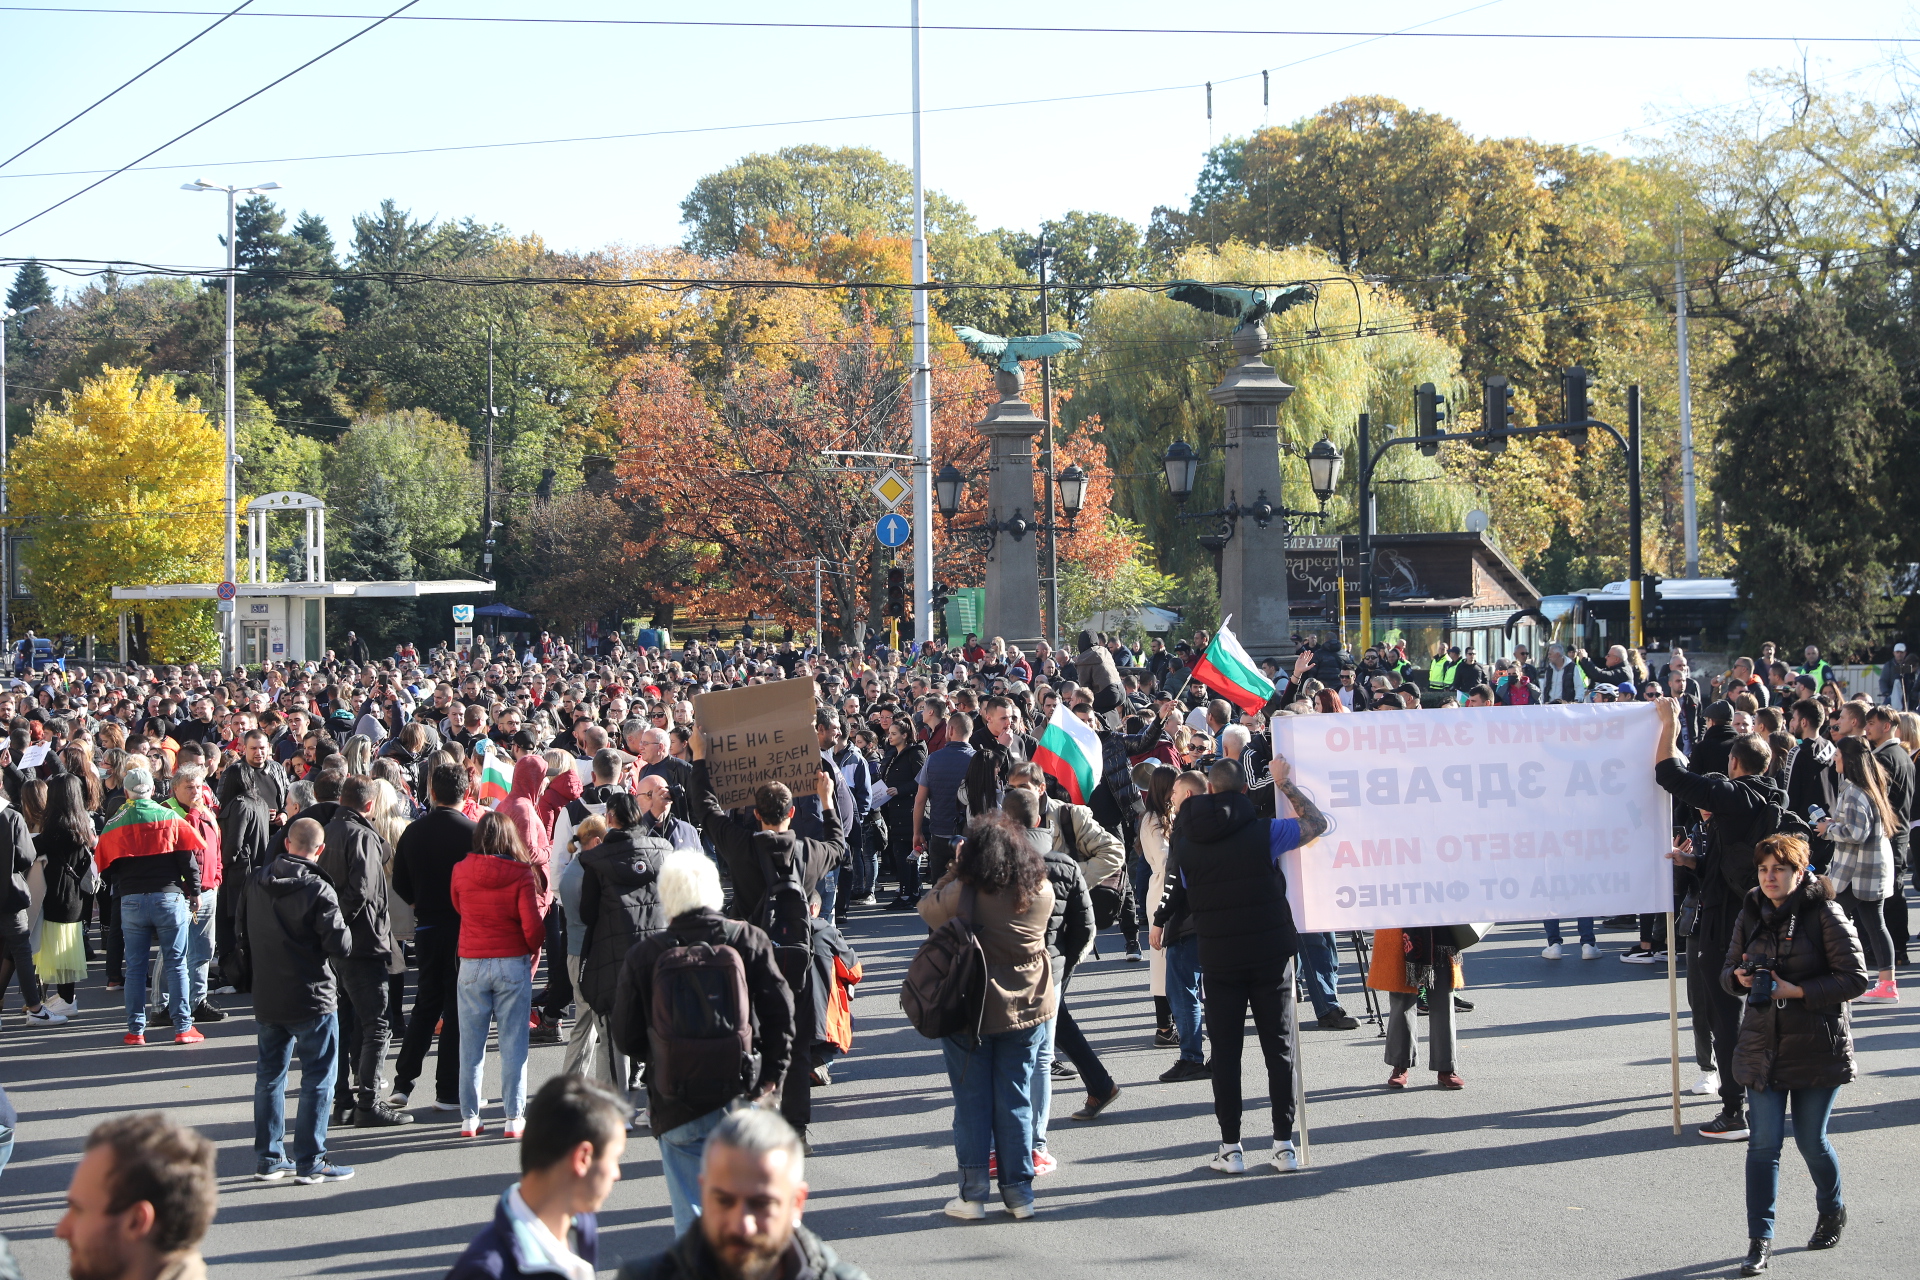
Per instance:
(1663,36)
(210,119)
(70,119)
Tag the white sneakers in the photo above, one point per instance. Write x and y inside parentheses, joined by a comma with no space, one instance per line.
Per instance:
(66,1008)
(398,1102)
(1706,1084)
(46,1016)
(1589,952)
(1229,1160)
(967,1210)
(1285,1158)
(1550,952)
(1018,1212)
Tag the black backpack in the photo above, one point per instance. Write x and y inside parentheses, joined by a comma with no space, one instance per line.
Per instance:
(700,1025)
(945,991)
(784,917)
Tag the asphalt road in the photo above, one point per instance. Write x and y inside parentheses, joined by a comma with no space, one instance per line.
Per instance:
(1557,1159)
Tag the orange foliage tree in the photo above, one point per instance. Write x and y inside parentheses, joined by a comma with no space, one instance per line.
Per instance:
(732,468)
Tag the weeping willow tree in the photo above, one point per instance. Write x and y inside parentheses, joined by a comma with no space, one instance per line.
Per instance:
(1141,381)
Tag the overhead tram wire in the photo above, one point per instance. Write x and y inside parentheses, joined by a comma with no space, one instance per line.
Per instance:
(1367,38)
(738,24)
(123,84)
(210,119)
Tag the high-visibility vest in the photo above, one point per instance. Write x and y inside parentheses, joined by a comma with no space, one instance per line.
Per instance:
(1440,674)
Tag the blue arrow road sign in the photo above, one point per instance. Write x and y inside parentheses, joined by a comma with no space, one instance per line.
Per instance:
(893,531)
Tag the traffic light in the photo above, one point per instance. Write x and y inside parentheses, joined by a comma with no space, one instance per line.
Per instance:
(897,593)
(1575,409)
(1496,413)
(940,593)
(1429,412)
(1650,593)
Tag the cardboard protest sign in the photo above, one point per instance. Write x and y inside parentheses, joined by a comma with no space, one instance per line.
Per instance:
(759,733)
(1511,813)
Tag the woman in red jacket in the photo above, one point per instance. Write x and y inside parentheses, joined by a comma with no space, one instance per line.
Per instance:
(496,892)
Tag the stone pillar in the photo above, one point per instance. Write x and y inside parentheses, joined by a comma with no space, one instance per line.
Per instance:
(1013,567)
(1253,569)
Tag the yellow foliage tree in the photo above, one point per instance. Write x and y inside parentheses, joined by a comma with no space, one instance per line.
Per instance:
(121,486)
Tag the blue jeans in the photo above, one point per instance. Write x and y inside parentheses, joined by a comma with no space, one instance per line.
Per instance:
(1320,966)
(495,989)
(6,1146)
(1585,925)
(200,949)
(318,1042)
(993,1110)
(680,1153)
(1767,1114)
(1043,1084)
(866,862)
(1183,995)
(144,919)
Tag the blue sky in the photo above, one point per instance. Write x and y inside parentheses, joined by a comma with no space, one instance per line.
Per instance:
(430,84)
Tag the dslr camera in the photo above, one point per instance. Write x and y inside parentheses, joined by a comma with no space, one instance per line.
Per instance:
(1762,989)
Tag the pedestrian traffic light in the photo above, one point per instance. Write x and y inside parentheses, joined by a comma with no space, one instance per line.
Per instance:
(1429,412)
(1496,413)
(1575,410)
(897,593)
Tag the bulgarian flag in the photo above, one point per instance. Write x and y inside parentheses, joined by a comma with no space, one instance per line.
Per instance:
(496,779)
(1226,670)
(142,829)
(1070,753)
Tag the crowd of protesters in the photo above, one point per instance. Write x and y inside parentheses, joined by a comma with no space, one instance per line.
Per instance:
(532,832)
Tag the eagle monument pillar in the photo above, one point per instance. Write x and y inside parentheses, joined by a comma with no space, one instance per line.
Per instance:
(1013,562)
(1253,564)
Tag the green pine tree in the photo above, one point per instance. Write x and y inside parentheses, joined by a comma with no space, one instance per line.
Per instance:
(31,288)
(377,551)
(1813,410)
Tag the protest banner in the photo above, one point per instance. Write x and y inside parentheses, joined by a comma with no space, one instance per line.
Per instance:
(1450,817)
(756,734)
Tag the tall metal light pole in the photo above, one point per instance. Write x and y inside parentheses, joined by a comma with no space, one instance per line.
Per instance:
(6,535)
(228,639)
(1045,254)
(922,385)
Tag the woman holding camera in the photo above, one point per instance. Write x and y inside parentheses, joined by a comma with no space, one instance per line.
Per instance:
(1796,961)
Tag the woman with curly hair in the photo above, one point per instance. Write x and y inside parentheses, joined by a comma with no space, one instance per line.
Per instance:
(998,885)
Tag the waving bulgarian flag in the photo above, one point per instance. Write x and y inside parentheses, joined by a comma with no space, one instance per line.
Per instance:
(496,774)
(1226,670)
(1070,753)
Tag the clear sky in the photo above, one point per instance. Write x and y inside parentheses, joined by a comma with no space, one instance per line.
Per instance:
(712,93)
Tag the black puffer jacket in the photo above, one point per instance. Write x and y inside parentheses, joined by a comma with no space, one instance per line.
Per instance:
(289,921)
(1220,868)
(692,1258)
(620,903)
(1803,1043)
(1070,928)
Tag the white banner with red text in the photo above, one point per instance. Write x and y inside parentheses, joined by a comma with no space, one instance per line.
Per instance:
(1502,814)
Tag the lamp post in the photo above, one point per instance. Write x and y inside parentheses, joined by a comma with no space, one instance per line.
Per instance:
(1182,465)
(227,638)
(6,534)
(951,483)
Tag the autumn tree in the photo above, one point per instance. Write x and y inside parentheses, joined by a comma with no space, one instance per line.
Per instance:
(121,485)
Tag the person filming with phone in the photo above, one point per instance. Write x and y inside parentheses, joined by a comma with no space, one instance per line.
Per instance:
(1796,961)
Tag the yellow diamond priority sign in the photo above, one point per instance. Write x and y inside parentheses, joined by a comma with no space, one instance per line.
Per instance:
(890,488)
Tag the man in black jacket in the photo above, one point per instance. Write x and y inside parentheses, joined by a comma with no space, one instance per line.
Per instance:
(1811,780)
(290,923)
(766,831)
(690,897)
(423,877)
(1746,806)
(1223,868)
(355,861)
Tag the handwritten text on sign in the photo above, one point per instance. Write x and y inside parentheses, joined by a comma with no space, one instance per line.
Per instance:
(1506,813)
(757,734)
